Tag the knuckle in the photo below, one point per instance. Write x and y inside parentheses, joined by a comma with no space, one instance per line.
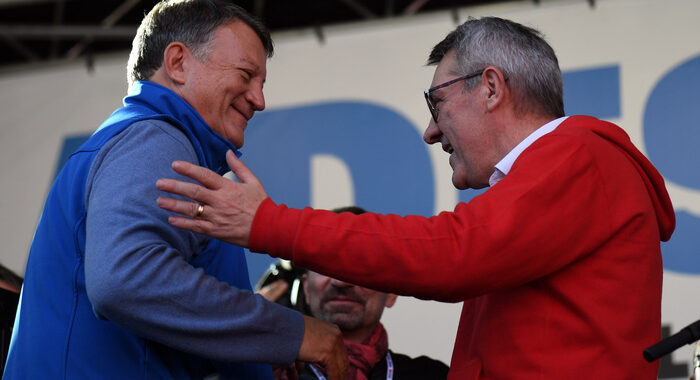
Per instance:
(197,192)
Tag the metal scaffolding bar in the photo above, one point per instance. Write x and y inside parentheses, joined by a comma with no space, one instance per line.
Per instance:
(360,9)
(24,32)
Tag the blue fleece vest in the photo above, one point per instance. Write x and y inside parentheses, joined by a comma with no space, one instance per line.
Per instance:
(54,303)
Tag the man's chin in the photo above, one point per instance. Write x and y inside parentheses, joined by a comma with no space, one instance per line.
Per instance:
(345,322)
(236,139)
(462,182)
(459,183)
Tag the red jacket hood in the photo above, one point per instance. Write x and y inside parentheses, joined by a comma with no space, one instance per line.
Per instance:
(656,187)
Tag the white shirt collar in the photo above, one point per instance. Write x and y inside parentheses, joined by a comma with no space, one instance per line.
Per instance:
(503,166)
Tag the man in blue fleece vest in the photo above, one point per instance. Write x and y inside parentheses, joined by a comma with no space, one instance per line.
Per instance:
(111,289)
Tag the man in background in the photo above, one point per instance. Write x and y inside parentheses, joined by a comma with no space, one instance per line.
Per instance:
(357,312)
(111,290)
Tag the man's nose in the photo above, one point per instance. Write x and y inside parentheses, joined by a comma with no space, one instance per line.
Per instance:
(432,133)
(256,97)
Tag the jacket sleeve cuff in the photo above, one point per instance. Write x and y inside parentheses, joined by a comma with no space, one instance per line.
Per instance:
(273,230)
(288,342)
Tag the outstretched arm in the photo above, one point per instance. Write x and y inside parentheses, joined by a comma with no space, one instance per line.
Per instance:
(227,207)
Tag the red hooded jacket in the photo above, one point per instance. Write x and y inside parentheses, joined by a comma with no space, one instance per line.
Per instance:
(559,264)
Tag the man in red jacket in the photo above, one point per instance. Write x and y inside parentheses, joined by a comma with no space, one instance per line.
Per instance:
(558,263)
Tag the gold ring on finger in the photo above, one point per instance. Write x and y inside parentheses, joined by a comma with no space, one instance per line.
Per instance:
(199,212)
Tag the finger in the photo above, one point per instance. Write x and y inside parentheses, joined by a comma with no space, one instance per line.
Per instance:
(337,367)
(185,189)
(344,364)
(194,225)
(179,206)
(200,174)
(237,166)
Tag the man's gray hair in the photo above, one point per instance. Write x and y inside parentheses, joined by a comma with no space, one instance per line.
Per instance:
(191,22)
(520,52)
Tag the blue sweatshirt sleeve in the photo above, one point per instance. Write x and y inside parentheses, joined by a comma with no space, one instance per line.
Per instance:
(137,270)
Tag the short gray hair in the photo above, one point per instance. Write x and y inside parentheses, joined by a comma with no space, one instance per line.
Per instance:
(191,22)
(520,52)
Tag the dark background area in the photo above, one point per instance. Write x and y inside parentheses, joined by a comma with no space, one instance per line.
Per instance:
(44,31)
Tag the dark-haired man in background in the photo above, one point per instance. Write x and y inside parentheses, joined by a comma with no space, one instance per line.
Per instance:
(357,311)
(111,290)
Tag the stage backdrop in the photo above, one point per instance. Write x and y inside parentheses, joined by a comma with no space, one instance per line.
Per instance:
(344,119)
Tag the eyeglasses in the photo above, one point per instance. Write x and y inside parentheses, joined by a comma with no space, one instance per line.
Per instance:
(432,103)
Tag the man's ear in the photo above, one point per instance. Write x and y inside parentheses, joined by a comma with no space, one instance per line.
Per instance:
(175,62)
(495,86)
(390,300)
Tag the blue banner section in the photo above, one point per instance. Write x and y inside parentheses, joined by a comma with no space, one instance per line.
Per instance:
(672,137)
(681,252)
(594,92)
(385,154)
(672,124)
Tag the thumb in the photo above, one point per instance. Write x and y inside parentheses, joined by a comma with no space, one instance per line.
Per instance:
(238,168)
